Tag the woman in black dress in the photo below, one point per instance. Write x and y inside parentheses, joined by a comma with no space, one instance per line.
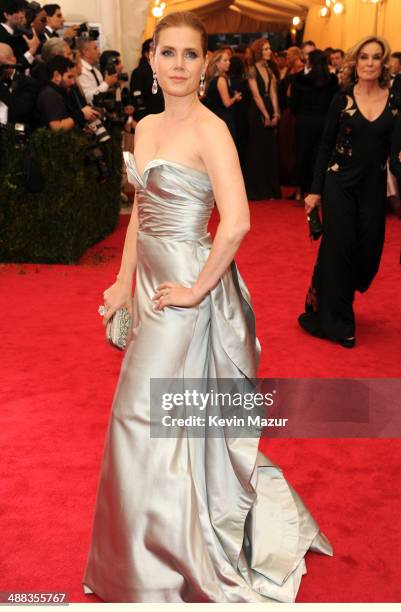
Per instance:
(350,178)
(262,169)
(239,83)
(287,129)
(311,96)
(219,96)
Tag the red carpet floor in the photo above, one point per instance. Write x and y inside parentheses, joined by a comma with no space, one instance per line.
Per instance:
(58,382)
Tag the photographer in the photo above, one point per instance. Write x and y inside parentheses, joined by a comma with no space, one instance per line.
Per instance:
(36,18)
(18,92)
(53,106)
(55,22)
(51,48)
(91,79)
(110,63)
(12,18)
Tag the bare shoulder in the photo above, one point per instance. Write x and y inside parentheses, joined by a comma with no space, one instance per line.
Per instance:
(213,136)
(251,72)
(146,124)
(216,148)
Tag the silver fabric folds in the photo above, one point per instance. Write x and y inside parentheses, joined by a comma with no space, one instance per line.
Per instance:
(189,519)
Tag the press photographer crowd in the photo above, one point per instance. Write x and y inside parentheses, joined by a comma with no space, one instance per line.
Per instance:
(61,82)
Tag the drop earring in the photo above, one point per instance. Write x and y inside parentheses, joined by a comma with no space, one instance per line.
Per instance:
(202,86)
(154,86)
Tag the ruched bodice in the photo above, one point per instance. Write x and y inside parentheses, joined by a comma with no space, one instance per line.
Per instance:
(170,205)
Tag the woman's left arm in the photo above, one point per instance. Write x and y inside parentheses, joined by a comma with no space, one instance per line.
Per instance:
(219,154)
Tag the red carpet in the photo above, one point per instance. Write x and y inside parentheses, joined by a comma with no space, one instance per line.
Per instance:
(59,377)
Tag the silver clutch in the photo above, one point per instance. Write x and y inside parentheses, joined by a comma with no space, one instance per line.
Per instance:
(118,328)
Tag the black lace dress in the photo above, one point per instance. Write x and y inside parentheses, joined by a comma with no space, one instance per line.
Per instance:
(351,175)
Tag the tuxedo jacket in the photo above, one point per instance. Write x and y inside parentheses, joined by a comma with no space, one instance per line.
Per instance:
(20,97)
(17,44)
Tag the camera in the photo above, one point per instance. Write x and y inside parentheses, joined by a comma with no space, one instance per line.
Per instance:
(111,110)
(138,102)
(96,152)
(111,69)
(4,67)
(98,129)
(87,33)
(97,155)
(21,133)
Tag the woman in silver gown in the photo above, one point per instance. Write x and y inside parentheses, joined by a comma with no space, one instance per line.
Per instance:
(185,519)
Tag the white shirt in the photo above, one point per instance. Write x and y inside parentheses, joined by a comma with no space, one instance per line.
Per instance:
(4,107)
(28,55)
(88,83)
(3,112)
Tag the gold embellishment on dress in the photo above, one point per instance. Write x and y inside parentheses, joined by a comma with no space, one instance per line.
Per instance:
(350,103)
(350,106)
(394,111)
(334,168)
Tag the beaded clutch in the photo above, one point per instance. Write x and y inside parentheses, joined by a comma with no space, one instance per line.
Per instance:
(118,328)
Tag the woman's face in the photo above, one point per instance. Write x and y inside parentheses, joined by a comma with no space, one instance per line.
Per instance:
(266,52)
(298,65)
(369,65)
(178,61)
(223,64)
(39,23)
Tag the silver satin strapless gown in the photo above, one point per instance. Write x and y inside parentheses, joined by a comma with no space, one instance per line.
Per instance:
(169,522)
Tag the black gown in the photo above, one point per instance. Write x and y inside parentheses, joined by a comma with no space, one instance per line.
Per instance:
(262,175)
(351,175)
(215,103)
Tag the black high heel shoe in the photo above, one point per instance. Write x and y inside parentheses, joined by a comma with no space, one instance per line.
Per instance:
(347,342)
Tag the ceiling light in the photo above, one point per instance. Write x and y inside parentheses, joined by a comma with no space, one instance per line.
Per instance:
(296,21)
(324,11)
(338,8)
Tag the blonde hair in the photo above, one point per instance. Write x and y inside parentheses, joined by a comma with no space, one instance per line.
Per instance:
(212,70)
(293,53)
(349,76)
(181,19)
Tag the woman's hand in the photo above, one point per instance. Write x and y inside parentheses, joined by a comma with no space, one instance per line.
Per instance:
(172,294)
(311,201)
(267,122)
(237,96)
(117,296)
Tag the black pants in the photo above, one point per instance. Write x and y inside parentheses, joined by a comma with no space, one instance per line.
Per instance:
(350,251)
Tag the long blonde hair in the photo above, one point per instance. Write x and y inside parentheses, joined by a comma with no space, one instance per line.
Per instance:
(212,70)
(349,76)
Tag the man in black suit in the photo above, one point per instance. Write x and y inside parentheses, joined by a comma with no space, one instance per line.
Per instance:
(55,22)
(18,92)
(12,16)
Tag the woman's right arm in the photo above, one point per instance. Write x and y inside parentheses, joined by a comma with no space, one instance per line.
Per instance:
(120,294)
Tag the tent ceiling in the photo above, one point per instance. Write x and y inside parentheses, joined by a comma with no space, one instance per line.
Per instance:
(261,10)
